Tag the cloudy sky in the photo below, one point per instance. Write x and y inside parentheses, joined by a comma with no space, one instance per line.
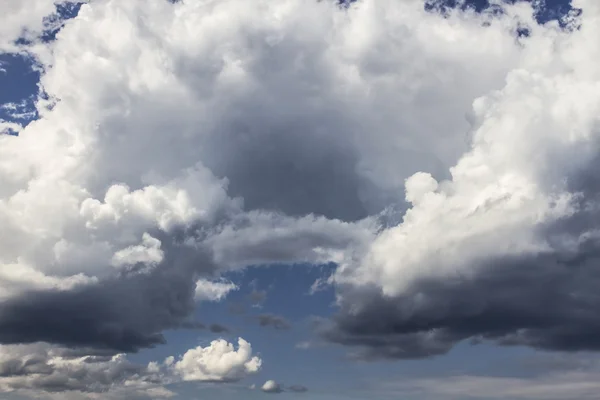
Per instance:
(309,199)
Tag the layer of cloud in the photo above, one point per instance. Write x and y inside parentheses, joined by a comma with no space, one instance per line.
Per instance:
(550,387)
(43,368)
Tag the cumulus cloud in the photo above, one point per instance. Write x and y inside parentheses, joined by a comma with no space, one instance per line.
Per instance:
(271,386)
(28,21)
(218,362)
(207,290)
(505,249)
(224,134)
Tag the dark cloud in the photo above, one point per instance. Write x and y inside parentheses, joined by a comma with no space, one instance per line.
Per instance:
(273,321)
(191,325)
(217,328)
(546,302)
(34,368)
(122,314)
(297,388)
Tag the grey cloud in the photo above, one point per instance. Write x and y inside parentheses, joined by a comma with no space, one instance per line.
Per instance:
(297,388)
(542,302)
(217,328)
(122,314)
(546,301)
(274,321)
(33,368)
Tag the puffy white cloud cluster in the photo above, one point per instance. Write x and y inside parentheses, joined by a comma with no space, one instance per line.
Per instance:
(218,362)
(213,290)
(271,386)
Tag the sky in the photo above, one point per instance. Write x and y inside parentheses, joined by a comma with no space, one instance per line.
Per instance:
(324,200)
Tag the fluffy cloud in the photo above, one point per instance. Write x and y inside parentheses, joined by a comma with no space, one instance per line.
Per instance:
(28,20)
(218,362)
(271,386)
(213,290)
(223,134)
(506,248)
(40,367)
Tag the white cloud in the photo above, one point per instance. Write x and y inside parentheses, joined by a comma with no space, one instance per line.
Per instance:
(213,290)
(165,133)
(148,253)
(218,362)
(528,138)
(271,386)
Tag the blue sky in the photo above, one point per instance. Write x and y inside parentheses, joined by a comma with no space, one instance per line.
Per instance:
(172,98)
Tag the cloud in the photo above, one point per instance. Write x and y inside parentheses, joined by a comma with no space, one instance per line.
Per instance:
(304,345)
(213,291)
(27,22)
(548,387)
(271,386)
(505,248)
(297,388)
(274,321)
(43,368)
(216,328)
(218,362)
(224,134)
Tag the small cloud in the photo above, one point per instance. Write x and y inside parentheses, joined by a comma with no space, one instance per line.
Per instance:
(320,285)
(298,388)
(213,290)
(274,321)
(304,345)
(271,386)
(217,328)
(256,297)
